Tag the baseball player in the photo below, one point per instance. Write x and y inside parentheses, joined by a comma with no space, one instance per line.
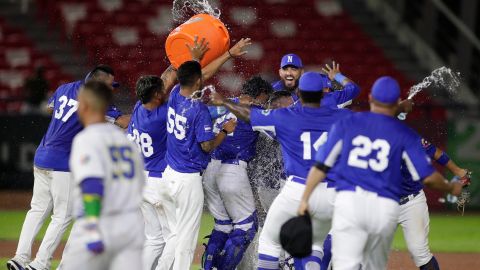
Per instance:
(300,129)
(414,217)
(370,148)
(227,187)
(53,184)
(147,129)
(291,68)
(190,139)
(107,170)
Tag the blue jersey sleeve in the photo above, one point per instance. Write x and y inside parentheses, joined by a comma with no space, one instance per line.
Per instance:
(113,112)
(51,100)
(350,91)
(429,148)
(203,125)
(329,152)
(417,162)
(264,120)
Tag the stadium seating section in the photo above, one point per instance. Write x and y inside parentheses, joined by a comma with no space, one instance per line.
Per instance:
(18,59)
(130,36)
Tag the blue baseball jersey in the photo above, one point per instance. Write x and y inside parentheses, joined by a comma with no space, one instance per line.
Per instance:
(299,130)
(410,186)
(341,98)
(53,151)
(238,145)
(370,149)
(147,128)
(188,124)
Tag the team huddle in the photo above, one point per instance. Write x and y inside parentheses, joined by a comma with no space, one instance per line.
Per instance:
(137,192)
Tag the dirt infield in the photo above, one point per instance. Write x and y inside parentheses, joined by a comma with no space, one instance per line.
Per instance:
(398,260)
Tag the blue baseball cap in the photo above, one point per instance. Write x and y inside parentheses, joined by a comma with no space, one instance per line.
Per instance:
(291,59)
(314,82)
(386,90)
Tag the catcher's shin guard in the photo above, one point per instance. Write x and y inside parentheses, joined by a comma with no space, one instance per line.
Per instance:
(237,244)
(216,242)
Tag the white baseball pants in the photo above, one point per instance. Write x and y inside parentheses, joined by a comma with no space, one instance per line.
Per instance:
(122,236)
(186,192)
(228,192)
(52,190)
(415,222)
(156,226)
(362,230)
(285,207)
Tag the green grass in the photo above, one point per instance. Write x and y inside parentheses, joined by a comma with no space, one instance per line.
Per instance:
(11,224)
(449,233)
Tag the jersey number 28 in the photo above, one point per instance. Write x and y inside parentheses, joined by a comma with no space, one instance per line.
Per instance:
(143,141)
(176,124)
(364,146)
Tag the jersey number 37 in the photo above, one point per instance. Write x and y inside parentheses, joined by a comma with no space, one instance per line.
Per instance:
(363,147)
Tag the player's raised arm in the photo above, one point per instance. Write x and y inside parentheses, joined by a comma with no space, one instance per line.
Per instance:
(350,89)
(236,51)
(443,159)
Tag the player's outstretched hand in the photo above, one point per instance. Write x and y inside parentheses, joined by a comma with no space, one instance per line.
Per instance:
(239,48)
(466,179)
(332,70)
(216,99)
(230,125)
(198,50)
(303,208)
(406,105)
(94,238)
(456,189)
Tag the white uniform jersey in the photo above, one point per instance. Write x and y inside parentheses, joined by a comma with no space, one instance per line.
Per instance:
(103,151)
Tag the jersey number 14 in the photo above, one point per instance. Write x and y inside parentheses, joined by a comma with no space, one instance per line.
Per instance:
(306,138)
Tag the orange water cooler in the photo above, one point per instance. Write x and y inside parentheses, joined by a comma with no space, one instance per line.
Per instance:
(203,26)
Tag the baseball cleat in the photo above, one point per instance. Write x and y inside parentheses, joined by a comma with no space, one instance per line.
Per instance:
(14,265)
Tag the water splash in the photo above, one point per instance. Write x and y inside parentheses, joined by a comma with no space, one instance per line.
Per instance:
(203,94)
(184,9)
(441,77)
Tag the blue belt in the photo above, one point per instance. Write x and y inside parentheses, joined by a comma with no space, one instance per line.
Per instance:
(155,174)
(408,198)
(299,180)
(231,161)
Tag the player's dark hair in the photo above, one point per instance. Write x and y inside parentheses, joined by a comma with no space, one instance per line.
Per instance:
(147,86)
(255,86)
(279,94)
(188,73)
(310,97)
(100,91)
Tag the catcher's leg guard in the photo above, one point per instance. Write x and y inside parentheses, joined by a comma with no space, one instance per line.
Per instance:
(215,244)
(431,265)
(237,244)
